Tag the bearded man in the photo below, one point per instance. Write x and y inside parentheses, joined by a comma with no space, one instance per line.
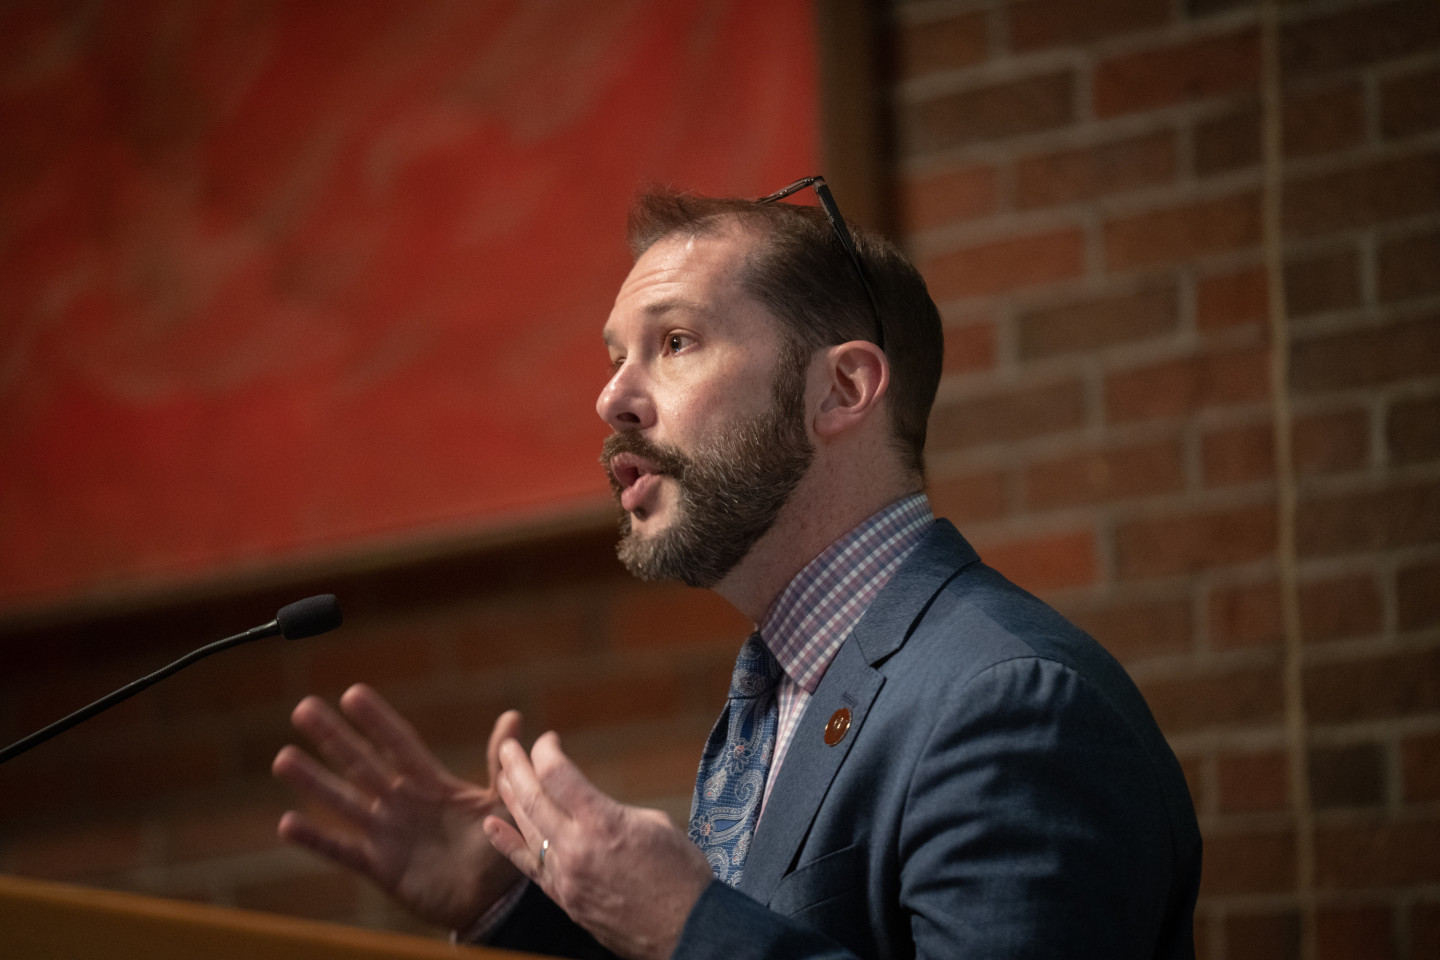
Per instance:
(917,759)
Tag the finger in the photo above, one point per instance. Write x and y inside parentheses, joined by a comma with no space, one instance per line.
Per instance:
(314,782)
(346,850)
(512,845)
(536,815)
(392,732)
(340,745)
(507,727)
(562,780)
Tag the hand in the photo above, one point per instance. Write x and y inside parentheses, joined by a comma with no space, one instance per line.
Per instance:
(393,813)
(623,873)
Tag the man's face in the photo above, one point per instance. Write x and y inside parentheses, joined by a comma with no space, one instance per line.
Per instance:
(709,420)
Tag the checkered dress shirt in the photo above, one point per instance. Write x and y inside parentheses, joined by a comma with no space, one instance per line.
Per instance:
(816,612)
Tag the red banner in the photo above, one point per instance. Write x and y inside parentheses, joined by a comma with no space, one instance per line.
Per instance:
(292,280)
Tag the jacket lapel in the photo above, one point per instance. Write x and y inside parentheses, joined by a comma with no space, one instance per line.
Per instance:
(851,682)
(810,766)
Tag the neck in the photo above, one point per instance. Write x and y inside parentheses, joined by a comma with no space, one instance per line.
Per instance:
(820,512)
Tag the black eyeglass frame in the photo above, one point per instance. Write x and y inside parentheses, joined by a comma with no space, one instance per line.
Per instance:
(832,213)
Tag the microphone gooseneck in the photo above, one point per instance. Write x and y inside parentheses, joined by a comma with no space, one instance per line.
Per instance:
(296,621)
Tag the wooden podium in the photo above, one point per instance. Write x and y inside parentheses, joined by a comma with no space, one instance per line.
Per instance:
(54,921)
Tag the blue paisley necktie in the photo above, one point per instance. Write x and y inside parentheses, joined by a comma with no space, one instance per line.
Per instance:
(731,781)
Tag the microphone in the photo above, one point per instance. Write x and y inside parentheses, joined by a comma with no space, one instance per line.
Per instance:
(296,621)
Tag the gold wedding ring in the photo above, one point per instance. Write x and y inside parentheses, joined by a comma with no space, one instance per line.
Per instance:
(544,849)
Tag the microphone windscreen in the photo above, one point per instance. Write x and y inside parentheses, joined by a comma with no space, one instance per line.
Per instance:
(309,617)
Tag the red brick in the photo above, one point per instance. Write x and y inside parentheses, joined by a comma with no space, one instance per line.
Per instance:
(971,497)
(1182,387)
(1189,543)
(1198,70)
(318,896)
(1425,931)
(80,851)
(46,701)
(1191,229)
(590,703)
(149,770)
(1356,856)
(1360,35)
(1101,475)
(1324,121)
(1417,595)
(1050,562)
(1347,776)
(1008,415)
(1327,282)
(1368,520)
(460,721)
(1253,782)
(1331,442)
(1251,862)
(1389,685)
(1366,356)
(1228,142)
(1406,265)
(647,616)
(1362,195)
(1091,323)
(990,113)
(371,659)
(1205,700)
(1315,122)
(1099,171)
(221,832)
(524,628)
(1238,455)
(653,767)
(251,676)
(1355,933)
(1246,615)
(1000,266)
(1232,299)
(1048,23)
(1408,104)
(1263,936)
(970,347)
(934,46)
(952,196)
(1340,609)
(1131,629)
(1420,768)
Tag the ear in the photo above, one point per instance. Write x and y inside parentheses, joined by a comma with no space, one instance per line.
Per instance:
(856,377)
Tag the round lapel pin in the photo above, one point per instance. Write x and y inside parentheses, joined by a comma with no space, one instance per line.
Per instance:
(838,726)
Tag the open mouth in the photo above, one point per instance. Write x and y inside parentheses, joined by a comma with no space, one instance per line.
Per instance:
(634,478)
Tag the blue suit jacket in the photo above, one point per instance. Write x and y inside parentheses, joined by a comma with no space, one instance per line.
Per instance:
(1003,791)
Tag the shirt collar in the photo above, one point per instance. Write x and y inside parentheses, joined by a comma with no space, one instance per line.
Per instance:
(819,608)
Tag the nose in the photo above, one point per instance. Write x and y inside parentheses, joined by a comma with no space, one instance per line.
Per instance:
(624,403)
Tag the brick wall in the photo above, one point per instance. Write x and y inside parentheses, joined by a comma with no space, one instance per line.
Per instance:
(1088,190)
(1087,187)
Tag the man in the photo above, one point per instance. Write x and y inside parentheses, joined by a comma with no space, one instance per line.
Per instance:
(918,758)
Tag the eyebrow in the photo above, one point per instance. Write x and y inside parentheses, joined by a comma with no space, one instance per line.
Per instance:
(662,306)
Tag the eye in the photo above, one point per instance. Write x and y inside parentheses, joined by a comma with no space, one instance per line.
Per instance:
(676,342)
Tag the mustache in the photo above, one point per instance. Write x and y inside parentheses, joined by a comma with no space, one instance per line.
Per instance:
(666,459)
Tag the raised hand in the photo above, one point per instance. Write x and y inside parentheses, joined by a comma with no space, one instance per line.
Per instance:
(388,809)
(624,873)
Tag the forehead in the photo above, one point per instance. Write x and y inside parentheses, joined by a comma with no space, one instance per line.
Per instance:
(696,276)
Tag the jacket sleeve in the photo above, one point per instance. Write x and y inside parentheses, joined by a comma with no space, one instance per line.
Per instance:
(537,925)
(1033,822)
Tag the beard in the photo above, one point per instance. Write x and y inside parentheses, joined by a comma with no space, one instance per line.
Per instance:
(730,489)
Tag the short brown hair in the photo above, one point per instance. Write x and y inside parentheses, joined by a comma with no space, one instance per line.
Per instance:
(802,274)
